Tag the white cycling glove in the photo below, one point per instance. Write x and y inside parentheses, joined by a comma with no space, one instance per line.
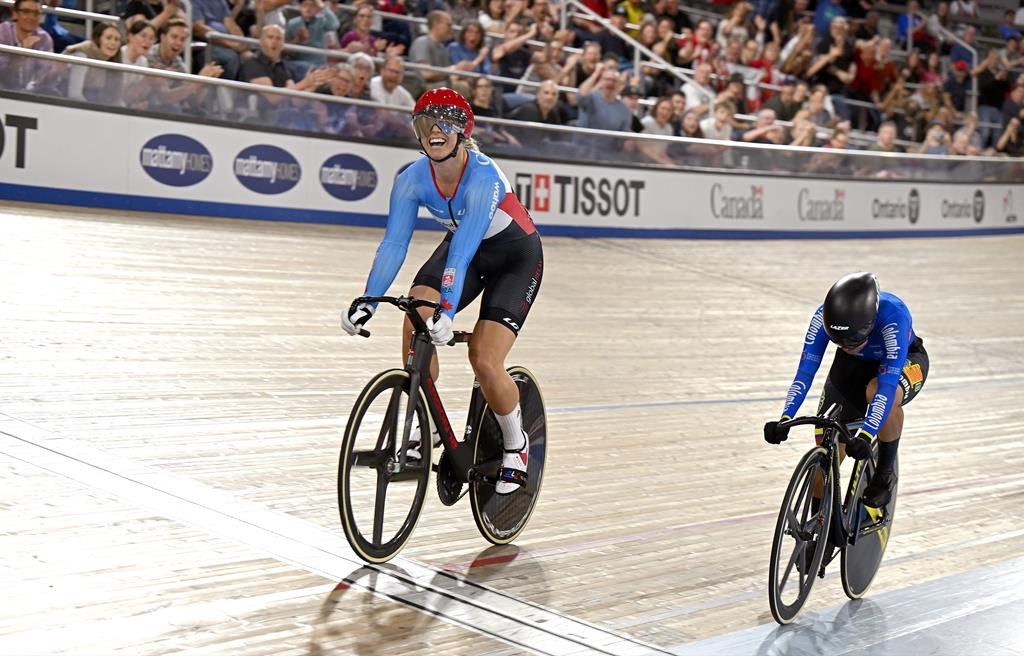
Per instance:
(440,330)
(355,317)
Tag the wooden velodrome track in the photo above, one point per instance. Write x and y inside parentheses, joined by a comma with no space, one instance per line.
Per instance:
(173,392)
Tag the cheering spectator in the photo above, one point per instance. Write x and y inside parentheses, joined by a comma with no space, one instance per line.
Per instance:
(875,74)
(765,131)
(155,12)
(817,109)
(387,88)
(868,28)
(1007,30)
(658,122)
(468,52)
(936,142)
(96,84)
(362,38)
(911,29)
(992,89)
(1012,141)
(510,57)
(737,24)
(834,65)
(268,69)
(309,29)
(804,133)
(599,104)
(718,126)
(492,16)
(691,125)
(216,16)
(544,108)
(783,103)
(430,49)
(886,142)
(166,55)
(543,66)
(699,47)
(954,91)
(698,91)
(140,39)
(939,25)
(631,99)
(932,71)
(541,16)
(669,10)
(24,73)
(489,104)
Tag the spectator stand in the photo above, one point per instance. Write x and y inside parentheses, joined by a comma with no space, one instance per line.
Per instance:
(89,16)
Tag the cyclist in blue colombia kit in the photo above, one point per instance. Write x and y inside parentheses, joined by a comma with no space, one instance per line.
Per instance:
(491,247)
(880,366)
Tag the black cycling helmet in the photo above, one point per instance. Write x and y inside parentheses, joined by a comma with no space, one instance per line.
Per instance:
(850,309)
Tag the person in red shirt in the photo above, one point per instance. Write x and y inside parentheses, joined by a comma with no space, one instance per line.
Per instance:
(876,73)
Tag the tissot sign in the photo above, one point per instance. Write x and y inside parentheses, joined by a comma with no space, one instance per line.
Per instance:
(580,194)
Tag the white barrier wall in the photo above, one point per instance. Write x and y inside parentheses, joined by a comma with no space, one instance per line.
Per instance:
(65,155)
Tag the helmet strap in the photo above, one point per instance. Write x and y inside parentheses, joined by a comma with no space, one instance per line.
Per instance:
(458,141)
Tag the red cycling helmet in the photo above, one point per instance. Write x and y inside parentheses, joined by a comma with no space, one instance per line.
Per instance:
(448,109)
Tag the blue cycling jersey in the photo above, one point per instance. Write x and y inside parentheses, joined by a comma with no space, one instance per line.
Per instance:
(887,344)
(483,206)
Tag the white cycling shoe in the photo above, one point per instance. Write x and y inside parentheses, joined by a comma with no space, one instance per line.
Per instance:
(512,473)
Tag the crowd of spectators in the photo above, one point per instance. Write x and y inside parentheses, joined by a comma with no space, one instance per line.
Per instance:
(791,72)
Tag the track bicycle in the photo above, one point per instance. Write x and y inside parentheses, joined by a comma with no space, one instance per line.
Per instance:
(806,539)
(381,486)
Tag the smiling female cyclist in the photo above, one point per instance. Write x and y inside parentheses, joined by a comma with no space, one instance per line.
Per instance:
(491,246)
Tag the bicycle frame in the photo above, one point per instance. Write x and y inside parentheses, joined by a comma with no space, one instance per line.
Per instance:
(842,533)
(417,364)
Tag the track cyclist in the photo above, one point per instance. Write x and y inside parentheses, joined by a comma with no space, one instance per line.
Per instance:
(880,366)
(491,246)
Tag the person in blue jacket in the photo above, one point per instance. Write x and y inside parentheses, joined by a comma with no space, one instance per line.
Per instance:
(880,366)
(491,247)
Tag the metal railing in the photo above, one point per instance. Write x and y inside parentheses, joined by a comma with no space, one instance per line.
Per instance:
(597,146)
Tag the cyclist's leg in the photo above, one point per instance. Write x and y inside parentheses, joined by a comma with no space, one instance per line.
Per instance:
(915,372)
(513,272)
(517,270)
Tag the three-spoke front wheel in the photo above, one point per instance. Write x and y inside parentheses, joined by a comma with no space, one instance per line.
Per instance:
(379,498)
(800,536)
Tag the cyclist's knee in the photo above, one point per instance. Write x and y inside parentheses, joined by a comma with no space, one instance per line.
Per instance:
(485,365)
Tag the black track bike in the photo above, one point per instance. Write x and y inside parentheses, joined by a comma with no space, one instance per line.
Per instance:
(807,539)
(381,482)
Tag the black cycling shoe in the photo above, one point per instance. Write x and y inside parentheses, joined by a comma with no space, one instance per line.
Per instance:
(878,493)
(805,560)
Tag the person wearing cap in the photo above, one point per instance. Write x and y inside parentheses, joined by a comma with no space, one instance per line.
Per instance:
(631,99)
(954,90)
(491,247)
(783,103)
